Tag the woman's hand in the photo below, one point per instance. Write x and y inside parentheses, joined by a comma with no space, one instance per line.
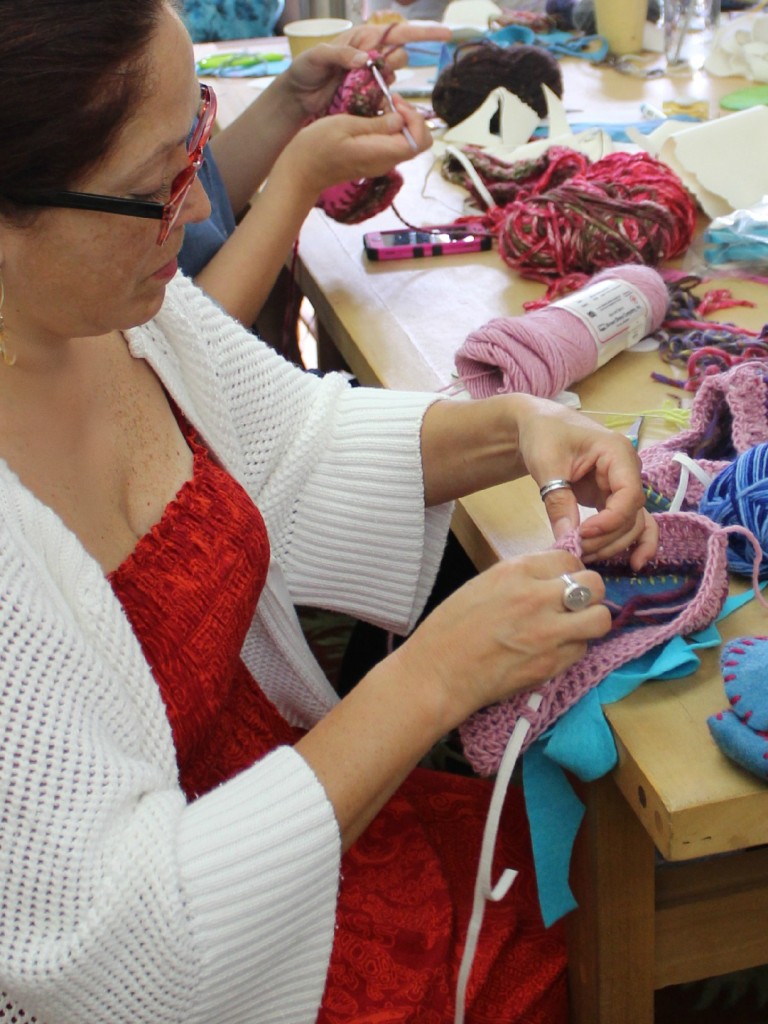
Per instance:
(314,76)
(390,39)
(468,446)
(556,443)
(504,631)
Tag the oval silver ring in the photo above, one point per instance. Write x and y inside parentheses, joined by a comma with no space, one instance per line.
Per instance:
(554,485)
(575,596)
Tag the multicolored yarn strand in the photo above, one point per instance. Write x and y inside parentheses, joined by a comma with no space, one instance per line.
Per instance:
(568,216)
(625,208)
(508,181)
(547,350)
(704,348)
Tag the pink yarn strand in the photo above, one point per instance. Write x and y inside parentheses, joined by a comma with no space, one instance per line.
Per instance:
(759,554)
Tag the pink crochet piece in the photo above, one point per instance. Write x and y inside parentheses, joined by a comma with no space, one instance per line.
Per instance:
(359,93)
(730,407)
(355,201)
(688,543)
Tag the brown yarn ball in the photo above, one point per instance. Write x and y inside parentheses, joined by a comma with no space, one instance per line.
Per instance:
(478,69)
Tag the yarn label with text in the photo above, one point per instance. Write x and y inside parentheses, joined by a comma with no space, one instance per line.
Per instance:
(616,313)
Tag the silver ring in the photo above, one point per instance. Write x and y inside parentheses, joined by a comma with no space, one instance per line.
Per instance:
(575,596)
(554,485)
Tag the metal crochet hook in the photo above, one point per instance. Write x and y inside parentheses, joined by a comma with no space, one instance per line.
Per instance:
(379,79)
(633,431)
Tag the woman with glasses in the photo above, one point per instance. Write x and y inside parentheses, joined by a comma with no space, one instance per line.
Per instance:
(194,827)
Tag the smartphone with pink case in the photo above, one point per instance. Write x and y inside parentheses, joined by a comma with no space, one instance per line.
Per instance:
(410,244)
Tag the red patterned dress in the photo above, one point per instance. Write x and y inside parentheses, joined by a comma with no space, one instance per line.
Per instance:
(190,588)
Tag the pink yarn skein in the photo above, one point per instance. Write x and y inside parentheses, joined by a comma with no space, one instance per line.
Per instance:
(547,350)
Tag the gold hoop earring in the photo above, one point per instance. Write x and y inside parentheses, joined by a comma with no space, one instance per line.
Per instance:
(9,358)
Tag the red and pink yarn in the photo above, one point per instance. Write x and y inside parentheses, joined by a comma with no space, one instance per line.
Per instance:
(354,201)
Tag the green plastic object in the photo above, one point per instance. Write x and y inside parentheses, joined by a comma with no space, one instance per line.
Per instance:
(743,99)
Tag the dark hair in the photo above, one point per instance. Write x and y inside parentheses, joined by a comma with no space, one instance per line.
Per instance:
(73,72)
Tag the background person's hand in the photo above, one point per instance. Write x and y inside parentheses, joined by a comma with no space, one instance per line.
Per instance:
(346,148)
(315,75)
(395,34)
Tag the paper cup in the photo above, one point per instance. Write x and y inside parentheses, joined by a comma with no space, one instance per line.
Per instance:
(302,35)
(622,23)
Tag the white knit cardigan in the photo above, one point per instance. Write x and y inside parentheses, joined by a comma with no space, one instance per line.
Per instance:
(120,902)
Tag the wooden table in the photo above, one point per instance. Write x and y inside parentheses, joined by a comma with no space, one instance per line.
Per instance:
(658,904)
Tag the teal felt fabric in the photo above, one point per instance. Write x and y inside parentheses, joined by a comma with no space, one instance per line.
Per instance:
(581,742)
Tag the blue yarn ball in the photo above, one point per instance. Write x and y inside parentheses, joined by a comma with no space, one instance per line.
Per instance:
(739,496)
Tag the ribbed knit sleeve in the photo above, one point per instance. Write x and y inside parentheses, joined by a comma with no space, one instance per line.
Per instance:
(336,471)
(361,540)
(262,899)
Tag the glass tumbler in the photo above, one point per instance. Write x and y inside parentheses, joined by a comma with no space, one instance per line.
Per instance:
(689,28)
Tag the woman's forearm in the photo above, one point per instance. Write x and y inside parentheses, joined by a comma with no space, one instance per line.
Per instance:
(242,273)
(365,747)
(332,150)
(468,446)
(247,149)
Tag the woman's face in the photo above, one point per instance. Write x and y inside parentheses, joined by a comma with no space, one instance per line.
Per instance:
(78,273)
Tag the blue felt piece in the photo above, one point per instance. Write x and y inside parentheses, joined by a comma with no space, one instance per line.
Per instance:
(617,132)
(744,665)
(445,57)
(740,743)
(567,44)
(558,813)
(581,742)
(511,35)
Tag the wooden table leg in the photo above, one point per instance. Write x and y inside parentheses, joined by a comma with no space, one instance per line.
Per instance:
(611,934)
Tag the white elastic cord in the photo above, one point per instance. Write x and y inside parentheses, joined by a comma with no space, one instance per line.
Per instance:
(466,163)
(484,888)
(688,466)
